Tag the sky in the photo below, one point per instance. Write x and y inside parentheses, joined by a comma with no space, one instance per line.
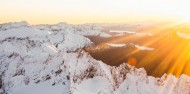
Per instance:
(93,11)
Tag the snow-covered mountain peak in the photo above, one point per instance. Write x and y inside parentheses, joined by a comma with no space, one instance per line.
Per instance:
(10,25)
(22,32)
(62,24)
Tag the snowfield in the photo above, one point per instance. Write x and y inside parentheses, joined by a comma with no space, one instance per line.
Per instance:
(143,47)
(49,59)
(116,45)
(135,45)
(123,32)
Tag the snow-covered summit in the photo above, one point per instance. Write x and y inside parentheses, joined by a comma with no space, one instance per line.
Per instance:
(11,25)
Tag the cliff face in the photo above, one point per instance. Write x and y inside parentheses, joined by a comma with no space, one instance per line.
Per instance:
(48,59)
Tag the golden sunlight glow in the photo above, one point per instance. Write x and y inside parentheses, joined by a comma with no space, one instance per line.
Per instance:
(93,11)
(171,54)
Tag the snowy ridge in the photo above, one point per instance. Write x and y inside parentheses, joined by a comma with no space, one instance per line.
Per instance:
(10,25)
(46,61)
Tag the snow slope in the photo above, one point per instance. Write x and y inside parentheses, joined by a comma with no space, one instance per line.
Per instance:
(116,45)
(42,60)
(123,32)
(143,47)
(137,46)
